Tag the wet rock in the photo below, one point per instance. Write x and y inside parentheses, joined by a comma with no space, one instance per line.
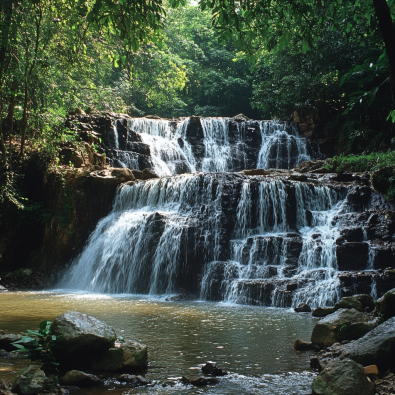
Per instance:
(349,302)
(371,370)
(203,381)
(366,300)
(301,345)
(132,380)
(148,174)
(123,174)
(354,234)
(375,348)
(344,324)
(80,379)
(130,356)
(292,286)
(30,380)
(81,335)
(344,377)
(211,368)
(352,255)
(302,308)
(255,172)
(385,305)
(322,311)
(138,174)
(6,339)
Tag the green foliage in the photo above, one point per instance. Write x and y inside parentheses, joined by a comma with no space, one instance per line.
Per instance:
(360,163)
(39,346)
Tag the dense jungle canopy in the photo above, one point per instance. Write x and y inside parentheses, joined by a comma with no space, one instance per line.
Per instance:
(330,61)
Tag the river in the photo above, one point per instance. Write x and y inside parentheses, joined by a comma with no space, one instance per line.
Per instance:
(254,344)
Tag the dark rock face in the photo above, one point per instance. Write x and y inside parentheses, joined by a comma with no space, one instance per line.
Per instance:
(342,378)
(6,339)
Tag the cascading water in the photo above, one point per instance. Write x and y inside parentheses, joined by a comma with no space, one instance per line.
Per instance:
(222,236)
(211,145)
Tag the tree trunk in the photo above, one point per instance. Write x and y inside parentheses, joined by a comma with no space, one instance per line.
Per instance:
(24,118)
(2,146)
(387,29)
(10,116)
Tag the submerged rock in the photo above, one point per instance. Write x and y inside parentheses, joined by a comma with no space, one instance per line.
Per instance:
(134,381)
(80,379)
(211,368)
(344,324)
(81,336)
(203,381)
(130,356)
(386,305)
(344,377)
(302,308)
(30,380)
(301,345)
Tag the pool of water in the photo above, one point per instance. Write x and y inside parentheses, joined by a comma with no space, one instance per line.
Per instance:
(254,344)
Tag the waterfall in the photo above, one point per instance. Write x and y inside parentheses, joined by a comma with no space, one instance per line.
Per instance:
(213,145)
(218,235)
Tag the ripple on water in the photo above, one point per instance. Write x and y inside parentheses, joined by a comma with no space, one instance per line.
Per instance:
(253,343)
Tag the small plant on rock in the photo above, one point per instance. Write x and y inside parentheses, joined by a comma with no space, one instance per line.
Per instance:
(38,346)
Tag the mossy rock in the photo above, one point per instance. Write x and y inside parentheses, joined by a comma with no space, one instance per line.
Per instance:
(386,305)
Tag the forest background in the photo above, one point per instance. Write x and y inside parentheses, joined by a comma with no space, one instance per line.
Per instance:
(327,61)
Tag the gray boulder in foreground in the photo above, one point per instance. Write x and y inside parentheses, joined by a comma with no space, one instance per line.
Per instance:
(342,377)
(375,348)
(344,324)
(81,335)
(30,380)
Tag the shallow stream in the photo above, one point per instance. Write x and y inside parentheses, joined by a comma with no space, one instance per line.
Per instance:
(254,344)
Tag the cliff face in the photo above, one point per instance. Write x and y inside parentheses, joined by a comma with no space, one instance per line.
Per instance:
(71,202)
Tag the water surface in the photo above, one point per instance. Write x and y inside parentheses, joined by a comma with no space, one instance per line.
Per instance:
(253,343)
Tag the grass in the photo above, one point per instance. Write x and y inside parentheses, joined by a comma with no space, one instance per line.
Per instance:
(360,163)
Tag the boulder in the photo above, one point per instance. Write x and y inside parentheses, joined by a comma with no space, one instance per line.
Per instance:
(203,381)
(81,336)
(322,311)
(302,308)
(80,379)
(30,380)
(375,348)
(134,381)
(138,174)
(344,377)
(366,300)
(371,370)
(129,356)
(6,340)
(301,345)
(386,305)
(148,174)
(344,324)
(349,302)
(211,368)
(124,174)
(255,172)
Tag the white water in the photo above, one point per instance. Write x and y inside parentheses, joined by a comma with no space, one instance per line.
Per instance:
(141,247)
(172,153)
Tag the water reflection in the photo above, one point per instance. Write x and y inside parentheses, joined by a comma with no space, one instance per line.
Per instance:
(253,343)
